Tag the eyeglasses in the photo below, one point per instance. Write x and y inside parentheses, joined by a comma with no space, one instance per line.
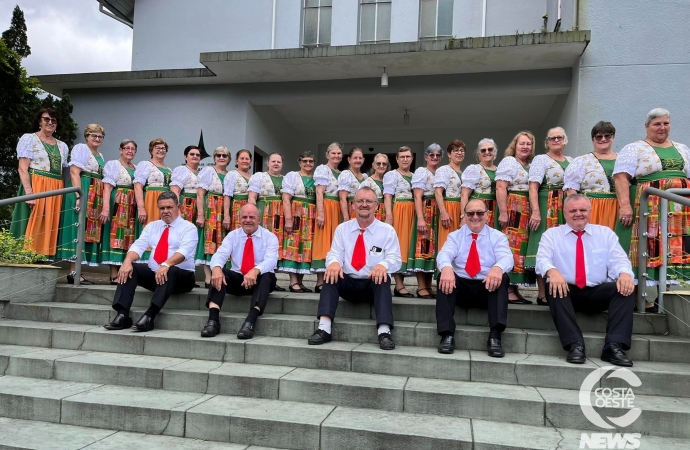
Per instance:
(555,138)
(220,155)
(458,150)
(307,161)
(130,149)
(160,149)
(486,150)
(603,137)
(381,163)
(364,202)
(48,119)
(475,213)
(405,156)
(434,155)
(196,155)
(95,136)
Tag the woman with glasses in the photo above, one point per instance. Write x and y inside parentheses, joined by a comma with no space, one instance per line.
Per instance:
(592,175)
(118,213)
(448,191)
(41,159)
(328,213)
(264,192)
(236,189)
(375,182)
(399,205)
(349,182)
(546,194)
(299,211)
(85,170)
(151,178)
(209,206)
(659,162)
(479,181)
(422,254)
(512,199)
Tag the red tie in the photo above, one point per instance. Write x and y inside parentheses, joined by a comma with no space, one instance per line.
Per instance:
(473,266)
(161,253)
(248,256)
(359,256)
(580,273)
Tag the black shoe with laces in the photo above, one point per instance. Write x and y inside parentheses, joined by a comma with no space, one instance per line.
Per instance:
(386,341)
(615,355)
(319,337)
(576,355)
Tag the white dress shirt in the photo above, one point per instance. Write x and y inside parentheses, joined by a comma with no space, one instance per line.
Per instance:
(182,239)
(265,250)
(380,243)
(605,259)
(492,247)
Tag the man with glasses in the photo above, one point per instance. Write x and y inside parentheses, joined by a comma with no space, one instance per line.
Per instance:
(474,264)
(364,252)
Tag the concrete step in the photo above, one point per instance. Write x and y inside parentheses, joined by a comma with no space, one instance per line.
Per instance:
(298,425)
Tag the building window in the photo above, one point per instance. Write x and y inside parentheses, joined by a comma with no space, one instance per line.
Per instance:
(435,18)
(375,21)
(317,23)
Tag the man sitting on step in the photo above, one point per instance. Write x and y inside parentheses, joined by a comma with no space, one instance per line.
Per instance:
(579,259)
(363,252)
(474,264)
(253,251)
(170,269)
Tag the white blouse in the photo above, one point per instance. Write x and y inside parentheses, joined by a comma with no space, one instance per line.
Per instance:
(510,170)
(30,146)
(83,158)
(586,174)
(544,165)
(422,178)
(475,177)
(148,174)
(371,183)
(639,159)
(448,179)
(185,179)
(323,176)
(293,185)
(115,174)
(235,184)
(348,182)
(210,181)
(261,183)
(396,185)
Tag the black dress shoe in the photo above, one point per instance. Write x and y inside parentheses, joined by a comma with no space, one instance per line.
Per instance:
(447,345)
(207,285)
(652,309)
(279,289)
(542,301)
(211,329)
(576,355)
(427,295)
(493,347)
(83,282)
(386,341)
(615,355)
(319,337)
(304,288)
(145,323)
(317,288)
(397,293)
(299,288)
(246,332)
(119,323)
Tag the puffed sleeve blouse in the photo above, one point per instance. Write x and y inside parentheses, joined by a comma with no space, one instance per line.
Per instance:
(291,182)
(255,182)
(185,179)
(510,170)
(544,165)
(30,146)
(209,180)
(234,184)
(115,174)
(348,182)
(396,185)
(586,174)
(639,159)
(323,176)
(423,179)
(448,179)
(83,158)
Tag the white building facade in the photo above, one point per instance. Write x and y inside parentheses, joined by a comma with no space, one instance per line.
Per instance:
(295,75)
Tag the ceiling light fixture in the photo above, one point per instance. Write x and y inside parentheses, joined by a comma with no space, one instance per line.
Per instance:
(384,78)
(406,118)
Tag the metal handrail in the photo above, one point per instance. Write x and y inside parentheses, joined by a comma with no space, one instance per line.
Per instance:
(642,241)
(663,230)
(80,226)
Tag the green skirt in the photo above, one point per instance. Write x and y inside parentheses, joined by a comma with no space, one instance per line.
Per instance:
(551,210)
(67,235)
(113,255)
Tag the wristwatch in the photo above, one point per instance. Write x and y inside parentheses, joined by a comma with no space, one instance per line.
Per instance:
(165,264)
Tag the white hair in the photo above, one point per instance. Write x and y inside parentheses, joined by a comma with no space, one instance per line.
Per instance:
(655,114)
(546,139)
(486,141)
(333,146)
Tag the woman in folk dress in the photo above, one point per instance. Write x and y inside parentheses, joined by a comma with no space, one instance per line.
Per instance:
(236,189)
(349,182)
(479,181)
(448,192)
(151,178)
(379,168)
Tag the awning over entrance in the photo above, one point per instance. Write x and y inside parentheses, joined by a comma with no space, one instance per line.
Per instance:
(435,57)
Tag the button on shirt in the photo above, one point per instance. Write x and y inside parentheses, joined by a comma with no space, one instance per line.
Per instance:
(492,246)
(380,242)
(265,250)
(605,259)
(182,239)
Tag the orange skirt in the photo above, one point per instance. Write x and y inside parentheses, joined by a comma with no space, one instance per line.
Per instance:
(604,212)
(454,209)
(43,224)
(323,236)
(151,206)
(403,218)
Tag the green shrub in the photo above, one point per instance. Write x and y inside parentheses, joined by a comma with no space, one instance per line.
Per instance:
(12,250)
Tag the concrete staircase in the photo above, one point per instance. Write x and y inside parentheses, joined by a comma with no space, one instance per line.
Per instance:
(68,383)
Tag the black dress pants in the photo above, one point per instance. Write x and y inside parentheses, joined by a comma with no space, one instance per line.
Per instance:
(179,281)
(265,284)
(472,293)
(593,299)
(358,290)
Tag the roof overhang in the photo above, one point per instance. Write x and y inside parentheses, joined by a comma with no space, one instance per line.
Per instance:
(433,57)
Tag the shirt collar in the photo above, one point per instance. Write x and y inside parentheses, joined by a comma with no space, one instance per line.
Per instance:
(355,226)
(567,229)
(174,223)
(469,232)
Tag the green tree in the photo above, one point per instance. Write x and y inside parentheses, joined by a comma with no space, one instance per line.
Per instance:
(67,128)
(15,36)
